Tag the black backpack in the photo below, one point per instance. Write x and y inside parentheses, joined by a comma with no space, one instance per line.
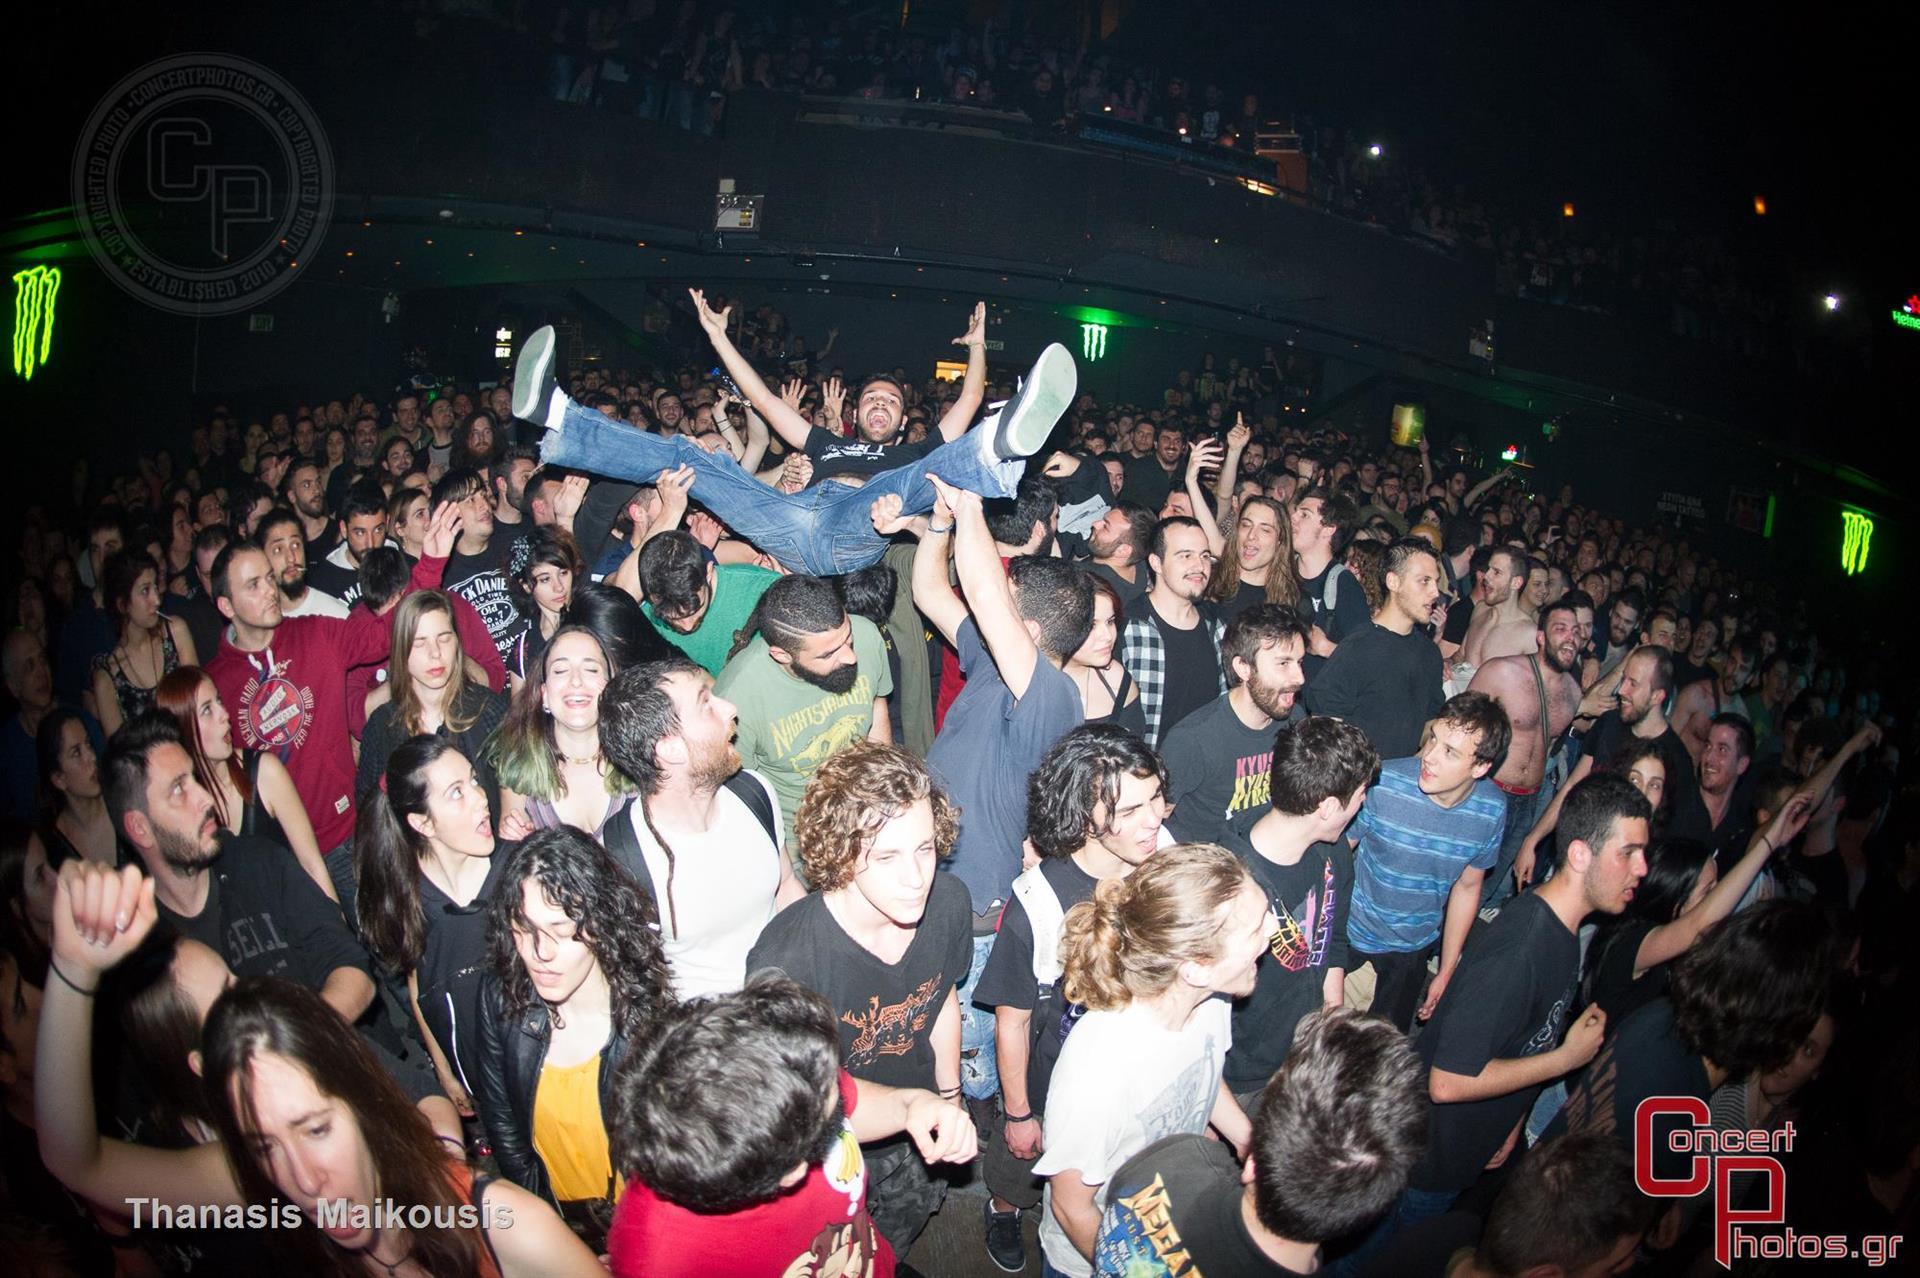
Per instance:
(618,837)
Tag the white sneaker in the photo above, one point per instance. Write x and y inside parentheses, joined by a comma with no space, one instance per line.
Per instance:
(1026,420)
(533,385)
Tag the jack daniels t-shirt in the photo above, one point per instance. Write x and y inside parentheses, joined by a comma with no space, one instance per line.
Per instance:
(1309,898)
(481,580)
(885,1012)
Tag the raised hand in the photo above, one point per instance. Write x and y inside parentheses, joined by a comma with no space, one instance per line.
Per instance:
(442,531)
(572,495)
(100,916)
(796,473)
(833,395)
(976,334)
(714,322)
(674,485)
(792,392)
(886,516)
(953,502)
(1204,455)
(1237,437)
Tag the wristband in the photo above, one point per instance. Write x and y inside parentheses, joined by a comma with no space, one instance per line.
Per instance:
(1019,1118)
(68,981)
(932,529)
(949,1093)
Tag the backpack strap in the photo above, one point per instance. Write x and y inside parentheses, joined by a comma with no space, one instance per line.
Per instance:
(1330,588)
(617,836)
(1048,920)
(748,788)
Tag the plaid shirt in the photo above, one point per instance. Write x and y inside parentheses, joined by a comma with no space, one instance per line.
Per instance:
(1145,656)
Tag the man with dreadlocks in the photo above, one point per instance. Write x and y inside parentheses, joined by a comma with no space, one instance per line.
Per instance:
(703,835)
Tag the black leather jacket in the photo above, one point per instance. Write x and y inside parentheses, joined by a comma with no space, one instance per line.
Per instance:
(513,1050)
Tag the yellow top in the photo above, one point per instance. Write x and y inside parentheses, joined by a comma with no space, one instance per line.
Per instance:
(569,1133)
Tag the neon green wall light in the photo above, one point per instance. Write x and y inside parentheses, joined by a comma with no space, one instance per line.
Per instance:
(34,291)
(1093,341)
(1856,539)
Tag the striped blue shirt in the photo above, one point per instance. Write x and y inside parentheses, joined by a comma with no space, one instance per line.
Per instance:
(1411,851)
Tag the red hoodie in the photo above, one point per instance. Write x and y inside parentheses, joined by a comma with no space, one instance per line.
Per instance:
(290,699)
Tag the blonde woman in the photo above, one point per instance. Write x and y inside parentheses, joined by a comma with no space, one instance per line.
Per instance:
(432,695)
(1145,958)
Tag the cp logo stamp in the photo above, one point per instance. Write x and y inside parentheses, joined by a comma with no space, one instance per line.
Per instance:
(203,184)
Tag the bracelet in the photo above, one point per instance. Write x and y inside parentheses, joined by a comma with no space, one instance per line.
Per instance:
(1019,1118)
(1769,842)
(68,981)
(932,529)
(949,1093)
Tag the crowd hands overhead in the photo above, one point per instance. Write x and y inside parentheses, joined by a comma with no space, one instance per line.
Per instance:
(709,824)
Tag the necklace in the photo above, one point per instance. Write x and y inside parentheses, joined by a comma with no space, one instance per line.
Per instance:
(392,1269)
(583,760)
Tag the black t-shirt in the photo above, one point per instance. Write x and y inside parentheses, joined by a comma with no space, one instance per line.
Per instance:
(1217,770)
(1246,595)
(1007,980)
(481,580)
(1310,899)
(1686,674)
(1609,736)
(1459,617)
(1643,1057)
(451,965)
(1431,1248)
(338,580)
(885,1012)
(836,455)
(1388,685)
(265,917)
(1193,666)
(1729,839)
(1610,983)
(1129,591)
(1350,612)
(1509,999)
(1147,481)
(1174,1208)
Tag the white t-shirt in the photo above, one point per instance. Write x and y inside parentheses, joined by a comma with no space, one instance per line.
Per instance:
(315,603)
(1098,1116)
(724,883)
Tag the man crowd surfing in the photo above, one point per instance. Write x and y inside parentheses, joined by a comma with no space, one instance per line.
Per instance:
(711,824)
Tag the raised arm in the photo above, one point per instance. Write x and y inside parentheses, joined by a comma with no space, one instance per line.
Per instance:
(790,424)
(973,388)
(988,592)
(931,593)
(1671,940)
(1485,486)
(1205,453)
(99,917)
(673,486)
(1229,476)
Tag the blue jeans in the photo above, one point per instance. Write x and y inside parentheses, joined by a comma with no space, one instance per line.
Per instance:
(979,1057)
(1522,811)
(824,530)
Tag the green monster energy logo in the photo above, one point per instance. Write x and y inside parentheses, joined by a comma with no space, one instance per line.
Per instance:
(33,292)
(1093,341)
(1855,540)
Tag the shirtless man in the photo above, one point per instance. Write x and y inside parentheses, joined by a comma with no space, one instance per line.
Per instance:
(1519,683)
(1700,701)
(1506,628)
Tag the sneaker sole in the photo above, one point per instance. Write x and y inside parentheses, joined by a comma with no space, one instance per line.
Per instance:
(1005,1269)
(533,375)
(1043,399)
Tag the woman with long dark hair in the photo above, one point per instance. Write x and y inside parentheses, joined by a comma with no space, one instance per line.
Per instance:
(148,645)
(572,986)
(74,820)
(547,753)
(424,870)
(312,1132)
(252,791)
(1682,895)
(430,693)
(1107,692)
(543,588)
(623,630)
